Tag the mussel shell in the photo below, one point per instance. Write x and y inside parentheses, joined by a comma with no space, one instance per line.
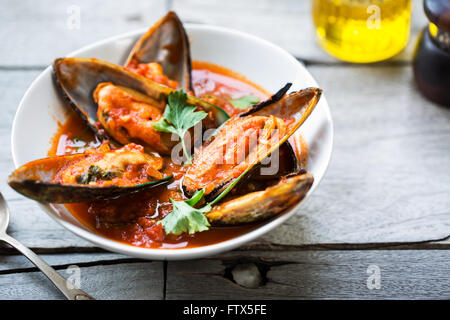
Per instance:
(297,105)
(273,99)
(166,42)
(264,204)
(33,180)
(77,79)
(289,164)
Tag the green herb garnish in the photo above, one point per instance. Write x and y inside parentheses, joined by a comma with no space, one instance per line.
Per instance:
(94,173)
(179,117)
(244,102)
(185,218)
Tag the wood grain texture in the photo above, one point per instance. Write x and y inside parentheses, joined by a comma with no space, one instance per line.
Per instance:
(286,23)
(18,263)
(388,178)
(33,223)
(35,33)
(385,183)
(106,281)
(316,275)
(13,85)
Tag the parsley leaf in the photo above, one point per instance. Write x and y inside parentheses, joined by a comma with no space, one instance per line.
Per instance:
(179,117)
(244,102)
(185,218)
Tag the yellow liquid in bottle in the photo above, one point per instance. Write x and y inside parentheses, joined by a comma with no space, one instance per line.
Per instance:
(362,30)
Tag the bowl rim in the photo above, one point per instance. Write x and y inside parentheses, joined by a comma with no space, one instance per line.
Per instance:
(178,253)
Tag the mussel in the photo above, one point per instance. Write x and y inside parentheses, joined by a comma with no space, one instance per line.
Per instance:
(260,205)
(239,147)
(85,82)
(96,174)
(247,139)
(166,45)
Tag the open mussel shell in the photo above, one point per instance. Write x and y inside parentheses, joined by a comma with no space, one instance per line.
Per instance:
(166,42)
(34,180)
(296,106)
(77,78)
(260,205)
(290,164)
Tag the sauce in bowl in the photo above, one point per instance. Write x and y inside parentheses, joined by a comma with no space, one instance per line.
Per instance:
(132,219)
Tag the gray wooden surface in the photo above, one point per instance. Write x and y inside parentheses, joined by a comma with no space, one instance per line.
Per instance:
(384,201)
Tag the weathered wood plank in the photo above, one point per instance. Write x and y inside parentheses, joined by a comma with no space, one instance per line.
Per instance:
(406,274)
(13,85)
(36,33)
(131,280)
(18,263)
(388,178)
(286,23)
(385,183)
(36,228)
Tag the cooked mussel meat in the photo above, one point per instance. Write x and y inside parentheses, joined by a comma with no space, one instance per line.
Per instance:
(100,173)
(127,115)
(121,101)
(245,140)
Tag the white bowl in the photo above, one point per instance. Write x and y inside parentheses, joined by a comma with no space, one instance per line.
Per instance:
(41,108)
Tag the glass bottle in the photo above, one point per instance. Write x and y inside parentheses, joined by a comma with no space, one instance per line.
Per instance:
(432,56)
(362,30)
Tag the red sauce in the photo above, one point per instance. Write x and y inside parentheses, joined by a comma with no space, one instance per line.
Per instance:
(132,219)
(218,85)
(218,165)
(153,71)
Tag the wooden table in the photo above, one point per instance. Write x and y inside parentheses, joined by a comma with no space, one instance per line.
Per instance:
(382,208)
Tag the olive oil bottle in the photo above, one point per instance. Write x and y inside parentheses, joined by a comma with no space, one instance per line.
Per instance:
(362,30)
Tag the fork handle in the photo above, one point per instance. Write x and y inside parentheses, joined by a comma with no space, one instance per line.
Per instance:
(50,273)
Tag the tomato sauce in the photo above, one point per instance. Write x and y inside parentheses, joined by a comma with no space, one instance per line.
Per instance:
(153,71)
(219,85)
(131,219)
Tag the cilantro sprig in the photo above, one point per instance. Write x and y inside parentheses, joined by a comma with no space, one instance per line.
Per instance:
(244,102)
(185,218)
(178,118)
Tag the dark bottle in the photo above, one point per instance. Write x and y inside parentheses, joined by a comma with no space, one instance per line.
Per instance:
(432,56)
